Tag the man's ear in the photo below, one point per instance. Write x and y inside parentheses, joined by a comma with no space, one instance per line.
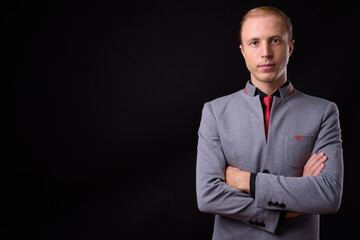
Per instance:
(291,47)
(242,49)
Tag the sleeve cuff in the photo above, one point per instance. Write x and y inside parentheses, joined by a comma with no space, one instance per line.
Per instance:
(282,216)
(252,184)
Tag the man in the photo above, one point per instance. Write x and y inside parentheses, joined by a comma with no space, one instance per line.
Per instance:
(269,157)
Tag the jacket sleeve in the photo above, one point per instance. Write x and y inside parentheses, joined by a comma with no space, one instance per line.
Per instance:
(315,195)
(213,194)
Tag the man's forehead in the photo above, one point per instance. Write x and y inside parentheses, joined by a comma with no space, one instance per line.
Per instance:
(264,19)
(264,23)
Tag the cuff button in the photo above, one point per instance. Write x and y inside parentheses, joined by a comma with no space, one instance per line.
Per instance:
(283,206)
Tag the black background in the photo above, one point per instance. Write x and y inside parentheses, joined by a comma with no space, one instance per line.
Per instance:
(102,102)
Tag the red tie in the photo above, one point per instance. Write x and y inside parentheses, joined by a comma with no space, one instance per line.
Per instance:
(267,101)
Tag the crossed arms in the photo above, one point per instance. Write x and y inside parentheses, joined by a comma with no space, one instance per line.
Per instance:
(224,190)
(240,180)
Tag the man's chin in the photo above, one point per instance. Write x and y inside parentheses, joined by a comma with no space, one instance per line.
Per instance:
(266,79)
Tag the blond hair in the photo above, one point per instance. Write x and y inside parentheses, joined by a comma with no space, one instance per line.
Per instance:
(260,11)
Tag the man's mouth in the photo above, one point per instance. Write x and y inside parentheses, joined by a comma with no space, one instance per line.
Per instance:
(267,66)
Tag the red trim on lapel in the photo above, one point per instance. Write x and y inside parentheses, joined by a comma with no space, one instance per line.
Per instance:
(291,90)
(298,137)
(245,90)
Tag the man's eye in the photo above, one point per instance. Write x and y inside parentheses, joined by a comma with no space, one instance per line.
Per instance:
(275,41)
(254,43)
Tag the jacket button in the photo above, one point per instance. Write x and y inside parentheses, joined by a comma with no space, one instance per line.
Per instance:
(276,204)
(270,203)
(265,171)
(283,206)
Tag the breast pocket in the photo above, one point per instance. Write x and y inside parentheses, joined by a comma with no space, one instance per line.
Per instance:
(297,150)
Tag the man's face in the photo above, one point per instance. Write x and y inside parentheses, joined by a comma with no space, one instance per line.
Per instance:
(266,48)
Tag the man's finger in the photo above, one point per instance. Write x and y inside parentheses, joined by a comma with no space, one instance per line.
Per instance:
(315,167)
(319,162)
(314,158)
(308,163)
(319,170)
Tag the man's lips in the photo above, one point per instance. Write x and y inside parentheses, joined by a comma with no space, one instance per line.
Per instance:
(267,66)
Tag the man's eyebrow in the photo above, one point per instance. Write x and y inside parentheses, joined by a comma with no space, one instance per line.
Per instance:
(276,36)
(257,38)
(252,39)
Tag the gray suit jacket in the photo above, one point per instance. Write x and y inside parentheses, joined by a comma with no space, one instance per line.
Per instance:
(232,133)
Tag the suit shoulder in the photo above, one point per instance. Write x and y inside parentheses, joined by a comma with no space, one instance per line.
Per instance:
(221,102)
(313,101)
(219,105)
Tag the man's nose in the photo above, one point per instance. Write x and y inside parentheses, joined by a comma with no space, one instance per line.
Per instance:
(266,51)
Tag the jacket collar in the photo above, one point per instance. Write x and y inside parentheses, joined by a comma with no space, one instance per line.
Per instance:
(285,91)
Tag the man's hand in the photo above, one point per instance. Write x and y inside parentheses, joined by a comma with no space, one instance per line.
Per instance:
(237,179)
(314,165)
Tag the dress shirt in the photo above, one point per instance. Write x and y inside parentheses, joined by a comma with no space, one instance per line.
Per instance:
(262,96)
